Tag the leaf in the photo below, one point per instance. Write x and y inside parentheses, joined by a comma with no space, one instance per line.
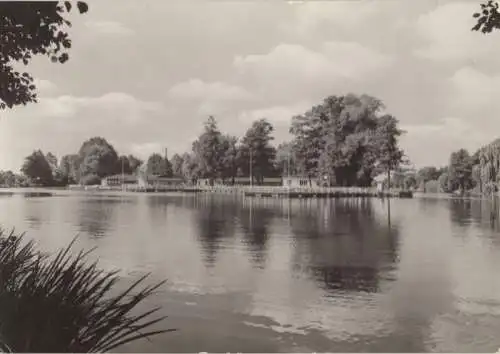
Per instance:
(67,4)
(63,58)
(82,7)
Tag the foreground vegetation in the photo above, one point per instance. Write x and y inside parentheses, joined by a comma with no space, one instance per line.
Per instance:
(64,303)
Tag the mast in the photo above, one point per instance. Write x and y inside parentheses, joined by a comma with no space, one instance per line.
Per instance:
(251,163)
(123,174)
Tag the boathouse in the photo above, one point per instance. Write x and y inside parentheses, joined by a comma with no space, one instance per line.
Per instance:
(118,180)
(158,181)
(297,182)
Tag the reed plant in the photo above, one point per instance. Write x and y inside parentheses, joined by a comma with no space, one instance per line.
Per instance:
(65,303)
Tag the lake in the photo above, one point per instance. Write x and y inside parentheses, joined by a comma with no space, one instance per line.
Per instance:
(250,275)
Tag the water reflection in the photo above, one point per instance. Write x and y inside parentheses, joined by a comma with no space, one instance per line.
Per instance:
(96,215)
(255,223)
(343,244)
(345,275)
(37,213)
(215,221)
(480,212)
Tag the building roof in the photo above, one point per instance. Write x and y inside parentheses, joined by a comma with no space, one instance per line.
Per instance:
(152,177)
(120,176)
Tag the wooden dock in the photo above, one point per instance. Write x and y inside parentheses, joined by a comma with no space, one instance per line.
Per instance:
(333,192)
(270,191)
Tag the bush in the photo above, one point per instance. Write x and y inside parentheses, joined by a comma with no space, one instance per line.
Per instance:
(62,303)
(432,186)
(90,180)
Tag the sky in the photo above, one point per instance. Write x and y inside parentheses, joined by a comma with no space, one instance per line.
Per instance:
(146,74)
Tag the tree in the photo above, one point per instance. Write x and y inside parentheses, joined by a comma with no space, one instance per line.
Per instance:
(98,160)
(228,157)
(426,174)
(28,29)
(344,138)
(444,183)
(207,149)
(256,152)
(389,155)
(52,160)
(285,161)
(37,168)
(167,169)
(70,168)
(134,163)
(476,178)
(460,170)
(177,162)
(11,179)
(157,165)
(190,167)
(488,18)
(410,181)
(123,165)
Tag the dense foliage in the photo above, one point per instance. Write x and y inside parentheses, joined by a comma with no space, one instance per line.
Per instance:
(346,138)
(96,159)
(27,29)
(488,18)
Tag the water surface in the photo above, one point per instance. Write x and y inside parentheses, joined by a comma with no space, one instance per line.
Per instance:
(254,275)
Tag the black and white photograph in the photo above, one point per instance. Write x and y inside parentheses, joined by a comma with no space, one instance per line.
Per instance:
(250,176)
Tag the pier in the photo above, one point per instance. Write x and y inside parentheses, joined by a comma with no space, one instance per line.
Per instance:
(306,192)
(266,191)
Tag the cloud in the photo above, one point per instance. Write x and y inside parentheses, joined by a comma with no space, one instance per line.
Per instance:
(292,71)
(144,150)
(311,16)
(448,36)
(60,124)
(45,87)
(281,115)
(66,106)
(197,89)
(442,138)
(109,28)
(474,90)
(211,97)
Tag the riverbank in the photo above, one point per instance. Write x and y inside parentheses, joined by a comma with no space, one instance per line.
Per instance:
(244,191)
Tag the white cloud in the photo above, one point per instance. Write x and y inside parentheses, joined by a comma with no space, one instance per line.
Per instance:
(447,31)
(109,28)
(212,98)
(442,138)
(66,106)
(209,91)
(312,15)
(276,114)
(474,90)
(60,124)
(292,70)
(44,87)
(144,150)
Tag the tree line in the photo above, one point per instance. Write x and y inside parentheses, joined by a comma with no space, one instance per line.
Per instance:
(345,140)
(465,173)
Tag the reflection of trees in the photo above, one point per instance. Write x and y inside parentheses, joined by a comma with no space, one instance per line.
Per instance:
(34,210)
(254,220)
(96,215)
(215,220)
(481,213)
(460,211)
(342,244)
